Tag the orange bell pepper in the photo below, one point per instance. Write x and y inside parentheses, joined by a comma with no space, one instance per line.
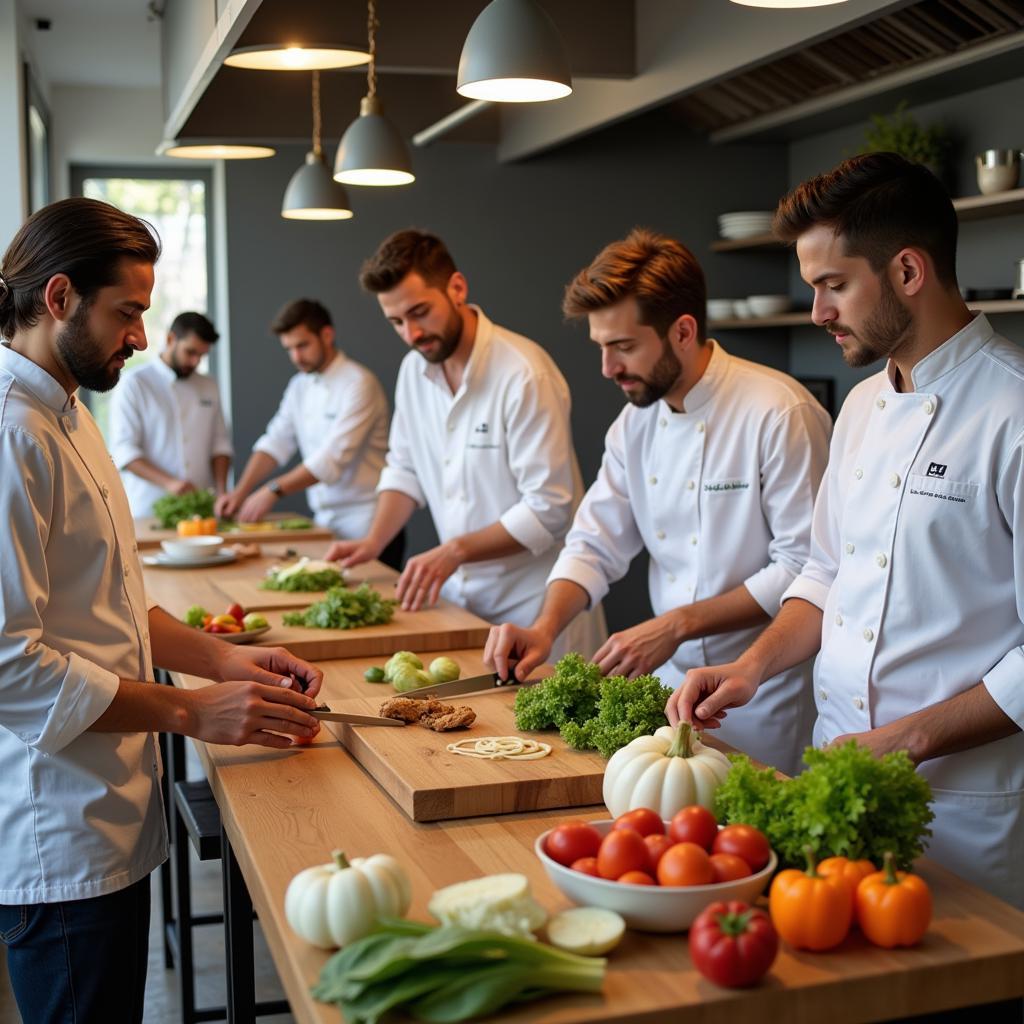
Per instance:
(811,910)
(894,908)
(852,870)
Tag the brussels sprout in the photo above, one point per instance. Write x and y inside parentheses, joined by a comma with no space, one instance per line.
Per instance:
(254,621)
(194,616)
(374,674)
(443,670)
(406,677)
(395,659)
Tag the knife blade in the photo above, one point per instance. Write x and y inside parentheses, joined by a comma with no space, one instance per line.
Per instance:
(472,684)
(326,715)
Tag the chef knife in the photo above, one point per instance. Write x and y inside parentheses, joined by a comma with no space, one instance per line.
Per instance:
(325,714)
(473,684)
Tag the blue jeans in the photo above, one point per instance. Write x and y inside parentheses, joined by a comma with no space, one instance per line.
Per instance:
(82,961)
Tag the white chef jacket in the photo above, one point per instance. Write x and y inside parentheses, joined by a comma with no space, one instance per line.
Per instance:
(81,813)
(338,421)
(917,561)
(720,494)
(176,424)
(498,450)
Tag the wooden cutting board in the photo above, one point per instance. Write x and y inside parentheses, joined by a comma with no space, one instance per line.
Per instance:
(243,586)
(344,680)
(148,534)
(413,766)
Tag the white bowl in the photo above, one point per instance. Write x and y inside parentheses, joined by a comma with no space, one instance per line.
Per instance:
(650,908)
(721,309)
(769,305)
(191,549)
(742,309)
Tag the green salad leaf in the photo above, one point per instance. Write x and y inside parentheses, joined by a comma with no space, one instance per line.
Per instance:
(172,508)
(303,581)
(342,608)
(848,803)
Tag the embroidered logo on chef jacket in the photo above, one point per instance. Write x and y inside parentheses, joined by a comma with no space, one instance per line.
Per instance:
(715,486)
(330,414)
(937,488)
(481,437)
(481,428)
(936,469)
(207,402)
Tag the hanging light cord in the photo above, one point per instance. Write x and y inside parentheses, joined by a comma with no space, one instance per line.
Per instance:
(317,147)
(371,31)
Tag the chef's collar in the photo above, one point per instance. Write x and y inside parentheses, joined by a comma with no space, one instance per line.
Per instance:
(949,355)
(37,380)
(332,368)
(711,380)
(165,371)
(481,342)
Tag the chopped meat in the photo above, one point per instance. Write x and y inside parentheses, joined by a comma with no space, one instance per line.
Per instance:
(408,709)
(456,718)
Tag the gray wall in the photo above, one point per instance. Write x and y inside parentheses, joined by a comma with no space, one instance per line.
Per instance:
(519,232)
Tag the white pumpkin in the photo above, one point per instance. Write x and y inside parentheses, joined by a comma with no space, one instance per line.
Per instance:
(665,772)
(333,904)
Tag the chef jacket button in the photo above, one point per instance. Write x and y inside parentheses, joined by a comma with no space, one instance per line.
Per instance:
(858,703)
(839,620)
(447,462)
(663,422)
(700,427)
(894,480)
(671,577)
(929,407)
(125,570)
(823,693)
(881,560)
(653,480)
(106,492)
(690,484)
(880,403)
(693,541)
(869,635)
(660,535)
(858,473)
(66,420)
(850,549)
(451,427)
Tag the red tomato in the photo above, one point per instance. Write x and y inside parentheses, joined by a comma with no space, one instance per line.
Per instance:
(571,841)
(733,944)
(237,612)
(656,847)
(621,850)
(728,867)
(302,741)
(642,820)
(694,824)
(588,865)
(746,842)
(216,627)
(636,878)
(685,864)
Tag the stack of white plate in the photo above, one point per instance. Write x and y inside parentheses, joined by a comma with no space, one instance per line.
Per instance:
(745,224)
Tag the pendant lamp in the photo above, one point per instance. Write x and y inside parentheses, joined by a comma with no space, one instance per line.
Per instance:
(297,57)
(787,5)
(514,54)
(371,151)
(210,149)
(313,194)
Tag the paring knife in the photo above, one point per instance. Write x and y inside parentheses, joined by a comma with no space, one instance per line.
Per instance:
(474,684)
(327,715)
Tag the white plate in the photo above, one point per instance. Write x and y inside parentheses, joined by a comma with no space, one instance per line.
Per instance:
(242,638)
(164,561)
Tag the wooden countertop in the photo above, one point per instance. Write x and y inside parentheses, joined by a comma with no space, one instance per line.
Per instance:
(286,810)
(148,535)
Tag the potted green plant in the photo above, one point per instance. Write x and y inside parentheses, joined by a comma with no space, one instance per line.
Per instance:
(899,132)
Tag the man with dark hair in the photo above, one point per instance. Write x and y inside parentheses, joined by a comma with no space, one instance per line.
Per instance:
(481,435)
(913,596)
(167,430)
(334,413)
(712,466)
(81,820)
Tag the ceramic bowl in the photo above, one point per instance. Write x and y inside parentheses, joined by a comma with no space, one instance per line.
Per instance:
(191,549)
(649,908)
(742,309)
(721,309)
(768,305)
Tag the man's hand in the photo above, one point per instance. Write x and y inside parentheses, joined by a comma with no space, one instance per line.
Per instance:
(181,487)
(707,693)
(424,575)
(273,666)
(228,504)
(250,712)
(514,645)
(352,552)
(257,505)
(640,649)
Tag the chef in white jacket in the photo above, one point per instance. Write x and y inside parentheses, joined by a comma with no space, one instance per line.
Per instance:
(480,435)
(712,467)
(913,596)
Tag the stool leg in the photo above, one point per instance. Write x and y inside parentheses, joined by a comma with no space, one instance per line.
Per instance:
(166,893)
(238,940)
(183,886)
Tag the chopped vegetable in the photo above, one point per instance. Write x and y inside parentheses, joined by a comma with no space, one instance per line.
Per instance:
(342,608)
(447,974)
(494,903)
(195,615)
(444,670)
(374,674)
(307,574)
(172,508)
(589,931)
(847,804)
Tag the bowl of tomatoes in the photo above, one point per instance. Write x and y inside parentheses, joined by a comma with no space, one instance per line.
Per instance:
(659,875)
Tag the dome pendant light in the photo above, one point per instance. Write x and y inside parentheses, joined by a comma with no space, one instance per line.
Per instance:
(513,54)
(313,194)
(297,57)
(371,151)
(786,5)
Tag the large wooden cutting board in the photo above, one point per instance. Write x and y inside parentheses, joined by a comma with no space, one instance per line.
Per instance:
(344,680)
(243,585)
(415,769)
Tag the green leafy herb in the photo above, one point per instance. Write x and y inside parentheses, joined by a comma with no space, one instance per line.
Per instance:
(298,523)
(342,608)
(172,508)
(847,804)
(303,581)
(447,974)
(569,695)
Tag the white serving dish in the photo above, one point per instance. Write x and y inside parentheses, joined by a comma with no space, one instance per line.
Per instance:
(649,908)
(769,305)
(162,560)
(742,309)
(721,309)
(191,549)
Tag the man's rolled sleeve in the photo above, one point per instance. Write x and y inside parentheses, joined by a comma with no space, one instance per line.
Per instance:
(768,585)
(1005,684)
(85,693)
(524,526)
(582,573)
(395,478)
(807,589)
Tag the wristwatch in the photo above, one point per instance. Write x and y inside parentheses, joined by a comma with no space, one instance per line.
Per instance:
(275,488)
